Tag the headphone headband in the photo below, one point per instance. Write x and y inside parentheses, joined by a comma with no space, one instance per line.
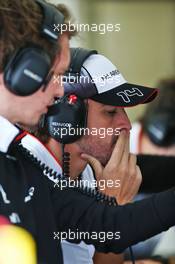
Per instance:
(78,56)
(51,16)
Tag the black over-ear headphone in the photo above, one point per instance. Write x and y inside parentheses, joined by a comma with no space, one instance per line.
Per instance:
(160,127)
(66,120)
(28,68)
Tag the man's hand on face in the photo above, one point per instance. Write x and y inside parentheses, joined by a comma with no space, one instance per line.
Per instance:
(121,175)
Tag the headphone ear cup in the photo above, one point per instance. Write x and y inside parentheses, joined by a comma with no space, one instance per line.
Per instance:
(65,122)
(27,70)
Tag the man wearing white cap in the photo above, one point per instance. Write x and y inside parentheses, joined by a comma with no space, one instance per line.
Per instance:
(106,93)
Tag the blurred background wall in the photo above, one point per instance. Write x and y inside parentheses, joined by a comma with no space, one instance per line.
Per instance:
(143,49)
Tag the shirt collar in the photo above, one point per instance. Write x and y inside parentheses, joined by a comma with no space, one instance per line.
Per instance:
(7,133)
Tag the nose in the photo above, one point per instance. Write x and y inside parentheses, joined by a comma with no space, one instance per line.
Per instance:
(122,120)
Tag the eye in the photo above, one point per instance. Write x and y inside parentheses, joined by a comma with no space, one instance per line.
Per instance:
(112,112)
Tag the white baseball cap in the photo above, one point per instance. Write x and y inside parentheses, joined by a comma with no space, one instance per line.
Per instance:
(101,81)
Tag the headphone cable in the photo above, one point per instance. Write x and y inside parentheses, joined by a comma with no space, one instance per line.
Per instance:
(65,162)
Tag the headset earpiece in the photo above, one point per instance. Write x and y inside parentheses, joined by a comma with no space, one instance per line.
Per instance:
(27,70)
(66,119)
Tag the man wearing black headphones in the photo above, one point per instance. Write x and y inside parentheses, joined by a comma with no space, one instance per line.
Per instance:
(30,53)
